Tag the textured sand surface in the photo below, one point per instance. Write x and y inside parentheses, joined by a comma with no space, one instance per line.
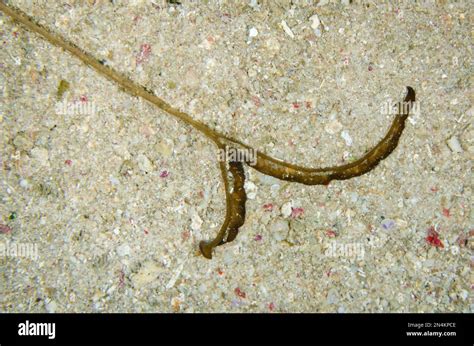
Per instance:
(113,195)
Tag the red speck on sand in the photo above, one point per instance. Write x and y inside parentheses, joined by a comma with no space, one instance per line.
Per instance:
(271,306)
(164,174)
(258,237)
(68,162)
(331,234)
(268,207)
(433,238)
(239,293)
(446,212)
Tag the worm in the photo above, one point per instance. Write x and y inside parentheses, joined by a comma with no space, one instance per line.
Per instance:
(235,212)
(235,199)
(308,176)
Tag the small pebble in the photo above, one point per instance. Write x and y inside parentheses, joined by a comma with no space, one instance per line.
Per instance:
(388,224)
(332,297)
(279,229)
(252,33)
(251,189)
(196,222)
(24,183)
(202,288)
(286,209)
(50,306)
(274,189)
(123,250)
(315,22)
(113,180)
(454,145)
(253,4)
(287,29)
(347,138)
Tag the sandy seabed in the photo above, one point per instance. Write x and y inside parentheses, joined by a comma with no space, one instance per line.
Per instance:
(104,198)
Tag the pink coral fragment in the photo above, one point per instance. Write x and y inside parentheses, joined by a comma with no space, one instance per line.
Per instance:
(5,229)
(296,212)
(143,55)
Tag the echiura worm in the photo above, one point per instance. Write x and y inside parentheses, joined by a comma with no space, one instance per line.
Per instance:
(235,197)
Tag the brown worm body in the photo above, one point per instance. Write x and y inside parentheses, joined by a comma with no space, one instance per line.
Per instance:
(239,197)
(235,216)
